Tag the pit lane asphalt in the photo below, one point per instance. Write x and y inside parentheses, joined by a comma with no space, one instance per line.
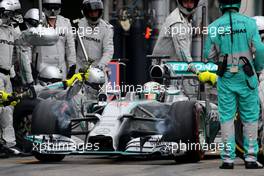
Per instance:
(104,166)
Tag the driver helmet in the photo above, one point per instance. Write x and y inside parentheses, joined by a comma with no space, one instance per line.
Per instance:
(187,10)
(52,8)
(89,6)
(151,90)
(49,75)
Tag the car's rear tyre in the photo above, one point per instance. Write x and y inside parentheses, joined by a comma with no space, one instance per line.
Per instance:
(22,123)
(48,157)
(239,140)
(185,120)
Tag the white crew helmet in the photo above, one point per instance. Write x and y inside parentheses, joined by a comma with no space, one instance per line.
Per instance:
(52,8)
(50,74)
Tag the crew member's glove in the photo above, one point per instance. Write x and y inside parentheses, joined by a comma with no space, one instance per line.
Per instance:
(4,95)
(71,71)
(8,99)
(82,76)
(207,77)
(84,73)
(9,103)
(32,90)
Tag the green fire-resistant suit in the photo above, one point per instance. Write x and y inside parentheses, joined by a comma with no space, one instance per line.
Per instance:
(237,91)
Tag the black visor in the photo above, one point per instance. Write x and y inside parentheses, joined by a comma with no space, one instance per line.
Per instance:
(92,6)
(52,6)
(32,22)
(89,7)
(6,13)
(2,9)
(196,2)
(229,2)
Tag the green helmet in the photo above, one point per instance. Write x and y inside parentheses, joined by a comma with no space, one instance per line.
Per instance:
(152,90)
(229,4)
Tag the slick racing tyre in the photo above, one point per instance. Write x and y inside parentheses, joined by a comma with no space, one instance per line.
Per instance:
(185,121)
(48,157)
(22,123)
(239,139)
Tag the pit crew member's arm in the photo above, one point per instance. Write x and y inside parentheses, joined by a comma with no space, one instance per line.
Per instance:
(182,41)
(108,48)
